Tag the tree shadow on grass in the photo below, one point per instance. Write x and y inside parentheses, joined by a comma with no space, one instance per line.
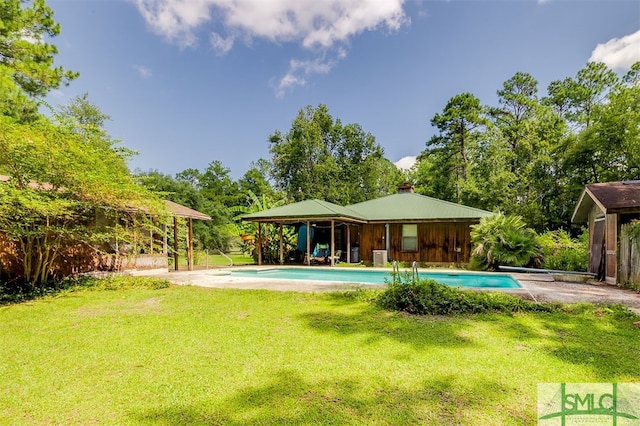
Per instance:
(601,337)
(290,399)
(374,324)
(603,340)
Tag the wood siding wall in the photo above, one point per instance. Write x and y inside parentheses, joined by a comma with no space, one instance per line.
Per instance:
(437,242)
(611,249)
(597,234)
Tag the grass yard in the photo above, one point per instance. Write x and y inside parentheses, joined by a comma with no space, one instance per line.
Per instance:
(187,355)
(204,259)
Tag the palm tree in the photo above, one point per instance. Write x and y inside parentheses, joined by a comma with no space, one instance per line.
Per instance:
(504,240)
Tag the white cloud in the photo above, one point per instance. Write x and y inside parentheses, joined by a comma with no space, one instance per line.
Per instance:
(405,163)
(320,26)
(288,81)
(299,70)
(175,19)
(313,23)
(143,71)
(220,44)
(618,53)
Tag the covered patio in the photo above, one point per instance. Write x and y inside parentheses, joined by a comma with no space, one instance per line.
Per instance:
(309,213)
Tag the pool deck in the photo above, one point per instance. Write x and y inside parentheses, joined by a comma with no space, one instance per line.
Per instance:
(539,287)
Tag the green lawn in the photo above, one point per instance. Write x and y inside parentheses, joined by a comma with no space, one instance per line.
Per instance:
(187,355)
(201,259)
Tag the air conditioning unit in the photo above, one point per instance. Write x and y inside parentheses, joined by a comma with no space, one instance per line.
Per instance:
(379,258)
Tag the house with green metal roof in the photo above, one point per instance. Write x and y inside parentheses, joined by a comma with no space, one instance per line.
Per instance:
(405,227)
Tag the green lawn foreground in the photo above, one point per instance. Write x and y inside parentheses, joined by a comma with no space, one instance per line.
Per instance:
(187,355)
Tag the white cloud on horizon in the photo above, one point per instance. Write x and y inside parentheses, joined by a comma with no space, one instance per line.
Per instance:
(143,71)
(406,163)
(323,27)
(618,53)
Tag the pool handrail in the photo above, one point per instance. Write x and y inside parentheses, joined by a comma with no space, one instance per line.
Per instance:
(227,257)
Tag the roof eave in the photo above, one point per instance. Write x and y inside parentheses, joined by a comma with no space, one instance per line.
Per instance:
(427,220)
(581,212)
(296,219)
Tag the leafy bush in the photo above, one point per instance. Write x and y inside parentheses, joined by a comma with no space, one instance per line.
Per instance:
(503,240)
(18,292)
(562,252)
(428,297)
(120,282)
(613,310)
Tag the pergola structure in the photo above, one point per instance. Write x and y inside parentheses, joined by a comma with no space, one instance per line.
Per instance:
(308,211)
(178,210)
(174,209)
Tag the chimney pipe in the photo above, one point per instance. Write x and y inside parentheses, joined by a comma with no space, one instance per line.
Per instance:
(405,187)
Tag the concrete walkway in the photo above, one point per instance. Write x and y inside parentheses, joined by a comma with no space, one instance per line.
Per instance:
(545,288)
(540,287)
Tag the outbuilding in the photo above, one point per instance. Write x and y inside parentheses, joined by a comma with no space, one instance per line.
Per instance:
(606,208)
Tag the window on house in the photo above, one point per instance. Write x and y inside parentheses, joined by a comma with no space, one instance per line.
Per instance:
(410,237)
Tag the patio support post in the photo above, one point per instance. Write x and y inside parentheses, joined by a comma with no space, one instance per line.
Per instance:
(333,242)
(165,248)
(348,243)
(308,257)
(190,246)
(259,243)
(175,243)
(135,237)
(118,243)
(281,249)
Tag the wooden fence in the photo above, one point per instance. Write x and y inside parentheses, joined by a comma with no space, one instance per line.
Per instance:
(629,257)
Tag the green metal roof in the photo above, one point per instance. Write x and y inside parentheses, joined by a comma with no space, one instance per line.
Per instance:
(308,209)
(398,207)
(410,206)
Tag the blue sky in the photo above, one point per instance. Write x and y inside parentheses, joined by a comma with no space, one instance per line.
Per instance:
(187,82)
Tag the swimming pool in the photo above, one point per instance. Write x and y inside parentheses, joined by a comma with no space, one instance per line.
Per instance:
(454,279)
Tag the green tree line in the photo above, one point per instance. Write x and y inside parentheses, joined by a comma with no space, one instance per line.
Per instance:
(531,155)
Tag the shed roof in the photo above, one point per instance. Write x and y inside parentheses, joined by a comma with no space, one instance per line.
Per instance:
(184,211)
(610,197)
(44,186)
(407,206)
(308,209)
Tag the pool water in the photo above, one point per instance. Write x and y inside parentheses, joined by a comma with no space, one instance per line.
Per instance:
(454,279)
